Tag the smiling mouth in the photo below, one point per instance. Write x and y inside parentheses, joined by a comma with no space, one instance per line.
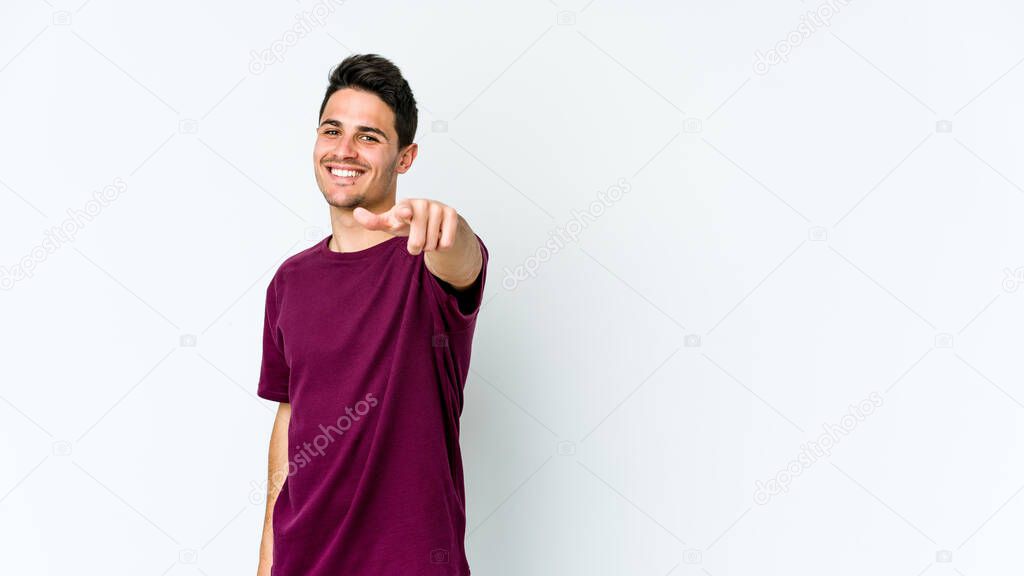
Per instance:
(344,176)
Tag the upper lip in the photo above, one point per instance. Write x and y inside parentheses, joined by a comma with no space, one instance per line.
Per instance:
(340,167)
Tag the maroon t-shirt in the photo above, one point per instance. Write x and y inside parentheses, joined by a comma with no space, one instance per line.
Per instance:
(372,352)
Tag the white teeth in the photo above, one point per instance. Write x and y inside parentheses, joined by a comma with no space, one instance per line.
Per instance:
(345,173)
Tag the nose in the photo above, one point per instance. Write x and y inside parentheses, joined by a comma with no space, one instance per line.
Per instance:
(344,149)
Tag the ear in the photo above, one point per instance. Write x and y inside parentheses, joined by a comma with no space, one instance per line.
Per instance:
(406,158)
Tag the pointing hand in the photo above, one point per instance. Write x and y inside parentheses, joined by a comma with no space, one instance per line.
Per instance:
(429,224)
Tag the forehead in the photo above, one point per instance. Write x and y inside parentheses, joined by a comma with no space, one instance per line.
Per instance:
(354,107)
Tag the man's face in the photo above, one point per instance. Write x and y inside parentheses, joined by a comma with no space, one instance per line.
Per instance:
(357,131)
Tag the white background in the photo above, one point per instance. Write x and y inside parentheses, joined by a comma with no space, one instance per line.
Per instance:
(819,230)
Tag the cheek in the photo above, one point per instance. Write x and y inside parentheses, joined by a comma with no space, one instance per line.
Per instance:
(319,149)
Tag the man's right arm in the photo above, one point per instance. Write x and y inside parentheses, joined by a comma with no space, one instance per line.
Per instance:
(277,472)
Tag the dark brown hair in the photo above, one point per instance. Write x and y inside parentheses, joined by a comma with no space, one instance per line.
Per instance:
(377,75)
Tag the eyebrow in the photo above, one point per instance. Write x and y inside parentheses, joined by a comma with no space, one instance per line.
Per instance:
(337,124)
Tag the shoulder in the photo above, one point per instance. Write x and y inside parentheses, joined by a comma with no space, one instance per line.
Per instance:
(296,264)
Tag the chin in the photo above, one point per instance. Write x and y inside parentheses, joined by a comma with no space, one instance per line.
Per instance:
(342,200)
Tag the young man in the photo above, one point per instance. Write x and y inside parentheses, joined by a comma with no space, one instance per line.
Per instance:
(366,346)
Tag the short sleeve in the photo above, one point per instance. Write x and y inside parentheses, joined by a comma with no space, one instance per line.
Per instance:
(459,308)
(274,372)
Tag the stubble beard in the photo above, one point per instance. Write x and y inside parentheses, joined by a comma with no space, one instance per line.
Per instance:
(351,202)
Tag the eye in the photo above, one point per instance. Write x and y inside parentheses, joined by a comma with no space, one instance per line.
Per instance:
(371,138)
(330,131)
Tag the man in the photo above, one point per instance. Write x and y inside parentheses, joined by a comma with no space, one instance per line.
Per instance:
(366,346)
